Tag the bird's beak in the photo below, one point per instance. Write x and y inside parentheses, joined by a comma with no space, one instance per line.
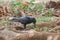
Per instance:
(10,19)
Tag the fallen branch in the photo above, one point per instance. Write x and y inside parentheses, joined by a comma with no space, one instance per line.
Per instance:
(28,35)
(55,28)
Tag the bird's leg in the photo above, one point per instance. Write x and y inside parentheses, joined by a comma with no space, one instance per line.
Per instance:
(24,26)
(34,25)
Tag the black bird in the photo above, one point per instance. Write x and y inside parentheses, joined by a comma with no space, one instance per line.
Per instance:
(25,20)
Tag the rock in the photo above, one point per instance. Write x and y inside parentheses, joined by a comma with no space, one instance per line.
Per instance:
(56,12)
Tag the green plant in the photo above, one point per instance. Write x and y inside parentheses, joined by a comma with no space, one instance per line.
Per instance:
(30,8)
(37,29)
(1,2)
(49,14)
(43,19)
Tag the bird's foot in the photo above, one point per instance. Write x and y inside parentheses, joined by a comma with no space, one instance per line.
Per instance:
(27,29)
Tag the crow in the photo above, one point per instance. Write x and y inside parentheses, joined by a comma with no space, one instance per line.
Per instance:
(25,20)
